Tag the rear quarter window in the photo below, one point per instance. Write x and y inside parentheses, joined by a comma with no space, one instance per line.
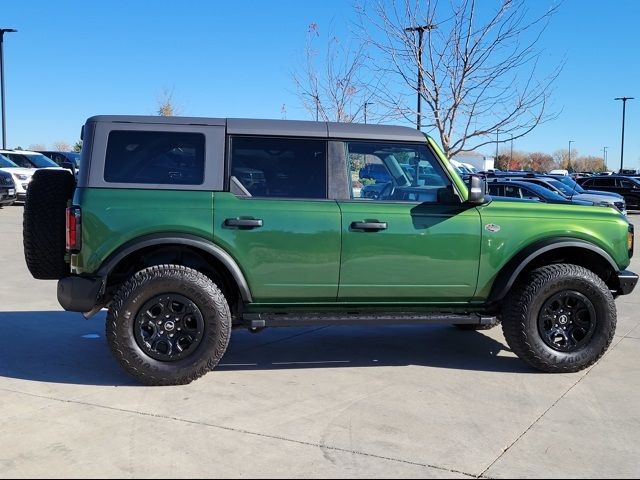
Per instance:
(159,158)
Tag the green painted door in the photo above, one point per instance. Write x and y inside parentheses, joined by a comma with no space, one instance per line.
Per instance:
(428,253)
(407,237)
(294,256)
(279,225)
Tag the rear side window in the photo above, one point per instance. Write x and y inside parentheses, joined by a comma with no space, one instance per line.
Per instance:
(604,182)
(160,158)
(280,167)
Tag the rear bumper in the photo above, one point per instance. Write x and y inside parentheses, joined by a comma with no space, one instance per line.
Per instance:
(80,294)
(627,282)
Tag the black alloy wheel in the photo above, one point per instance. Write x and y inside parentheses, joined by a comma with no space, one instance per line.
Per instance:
(567,321)
(169,327)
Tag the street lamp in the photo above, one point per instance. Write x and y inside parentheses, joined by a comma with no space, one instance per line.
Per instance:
(511,157)
(569,163)
(365,110)
(624,104)
(420,29)
(4,131)
(604,159)
(497,138)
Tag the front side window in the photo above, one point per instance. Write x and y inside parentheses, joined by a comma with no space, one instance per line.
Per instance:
(628,184)
(397,172)
(160,158)
(280,167)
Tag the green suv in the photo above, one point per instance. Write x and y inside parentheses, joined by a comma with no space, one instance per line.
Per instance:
(187,227)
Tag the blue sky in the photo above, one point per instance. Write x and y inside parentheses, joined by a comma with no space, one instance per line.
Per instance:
(71,60)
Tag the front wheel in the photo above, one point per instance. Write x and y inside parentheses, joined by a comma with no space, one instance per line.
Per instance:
(168,325)
(561,318)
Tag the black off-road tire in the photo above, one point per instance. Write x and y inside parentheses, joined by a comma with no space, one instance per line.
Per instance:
(477,326)
(44,223)
(154,282)
(520,319)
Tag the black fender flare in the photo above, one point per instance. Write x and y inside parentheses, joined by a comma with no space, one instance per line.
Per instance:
(182,239)
(509,273)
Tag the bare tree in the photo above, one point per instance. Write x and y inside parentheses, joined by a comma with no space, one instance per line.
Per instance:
(330,86)
(34,147)
(166,105)
(480,72)
(61,146)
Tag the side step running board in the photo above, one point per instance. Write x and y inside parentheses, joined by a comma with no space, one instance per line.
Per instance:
(263,320)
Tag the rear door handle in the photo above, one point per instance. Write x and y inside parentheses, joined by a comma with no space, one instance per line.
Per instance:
(369,226)
(243,223)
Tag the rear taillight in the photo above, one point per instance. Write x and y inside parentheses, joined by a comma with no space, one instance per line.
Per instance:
(630,240)
(74,229)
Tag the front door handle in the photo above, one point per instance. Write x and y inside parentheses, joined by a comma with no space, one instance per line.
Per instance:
(243,223)
(369,226)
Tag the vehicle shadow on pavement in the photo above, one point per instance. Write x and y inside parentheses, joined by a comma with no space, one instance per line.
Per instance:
(58,347)
(61,347)
(438,346)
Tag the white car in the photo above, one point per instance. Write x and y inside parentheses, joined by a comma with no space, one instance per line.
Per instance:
(25,163)
(21,176)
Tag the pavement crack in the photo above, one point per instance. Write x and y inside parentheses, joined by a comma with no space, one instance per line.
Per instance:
(574,385)
(319,445)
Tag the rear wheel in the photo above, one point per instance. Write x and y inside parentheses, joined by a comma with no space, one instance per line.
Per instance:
(44,223)
(168,325)
(562,318)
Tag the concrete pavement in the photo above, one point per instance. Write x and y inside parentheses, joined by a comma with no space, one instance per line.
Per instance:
(409,401)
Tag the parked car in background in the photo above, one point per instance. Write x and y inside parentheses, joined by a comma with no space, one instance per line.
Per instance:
(559,171)
(28,159)
(554,184)
(518,189)
(375,171)
(61,158)
(628,187)
(7,189)
(21,176)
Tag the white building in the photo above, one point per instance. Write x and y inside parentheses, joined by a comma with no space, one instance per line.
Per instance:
(480,162)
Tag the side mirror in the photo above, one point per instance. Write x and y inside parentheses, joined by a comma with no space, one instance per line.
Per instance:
(67,165)
(477,190)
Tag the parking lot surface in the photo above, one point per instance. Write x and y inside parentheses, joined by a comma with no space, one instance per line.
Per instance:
(403,401)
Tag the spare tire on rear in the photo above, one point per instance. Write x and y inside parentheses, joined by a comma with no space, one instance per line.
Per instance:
(44,223)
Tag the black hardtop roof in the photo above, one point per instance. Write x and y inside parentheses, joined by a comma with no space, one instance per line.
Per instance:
(297,128)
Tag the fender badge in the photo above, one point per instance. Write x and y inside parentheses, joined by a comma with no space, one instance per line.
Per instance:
(493,228)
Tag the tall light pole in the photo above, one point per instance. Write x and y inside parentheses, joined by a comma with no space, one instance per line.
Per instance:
(420,29)
(366,104)
(604,159)
(4,127)
(569,163)
(511,156)
(624,105)
(497,137)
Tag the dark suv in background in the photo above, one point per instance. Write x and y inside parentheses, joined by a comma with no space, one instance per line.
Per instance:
(63,157)
(7,189)
(628,187)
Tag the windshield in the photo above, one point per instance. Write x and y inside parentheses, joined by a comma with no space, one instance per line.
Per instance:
(36,160)
(562,187)
(571,183)
(6,163)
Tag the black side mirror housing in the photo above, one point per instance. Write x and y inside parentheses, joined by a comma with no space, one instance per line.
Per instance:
(477,190)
